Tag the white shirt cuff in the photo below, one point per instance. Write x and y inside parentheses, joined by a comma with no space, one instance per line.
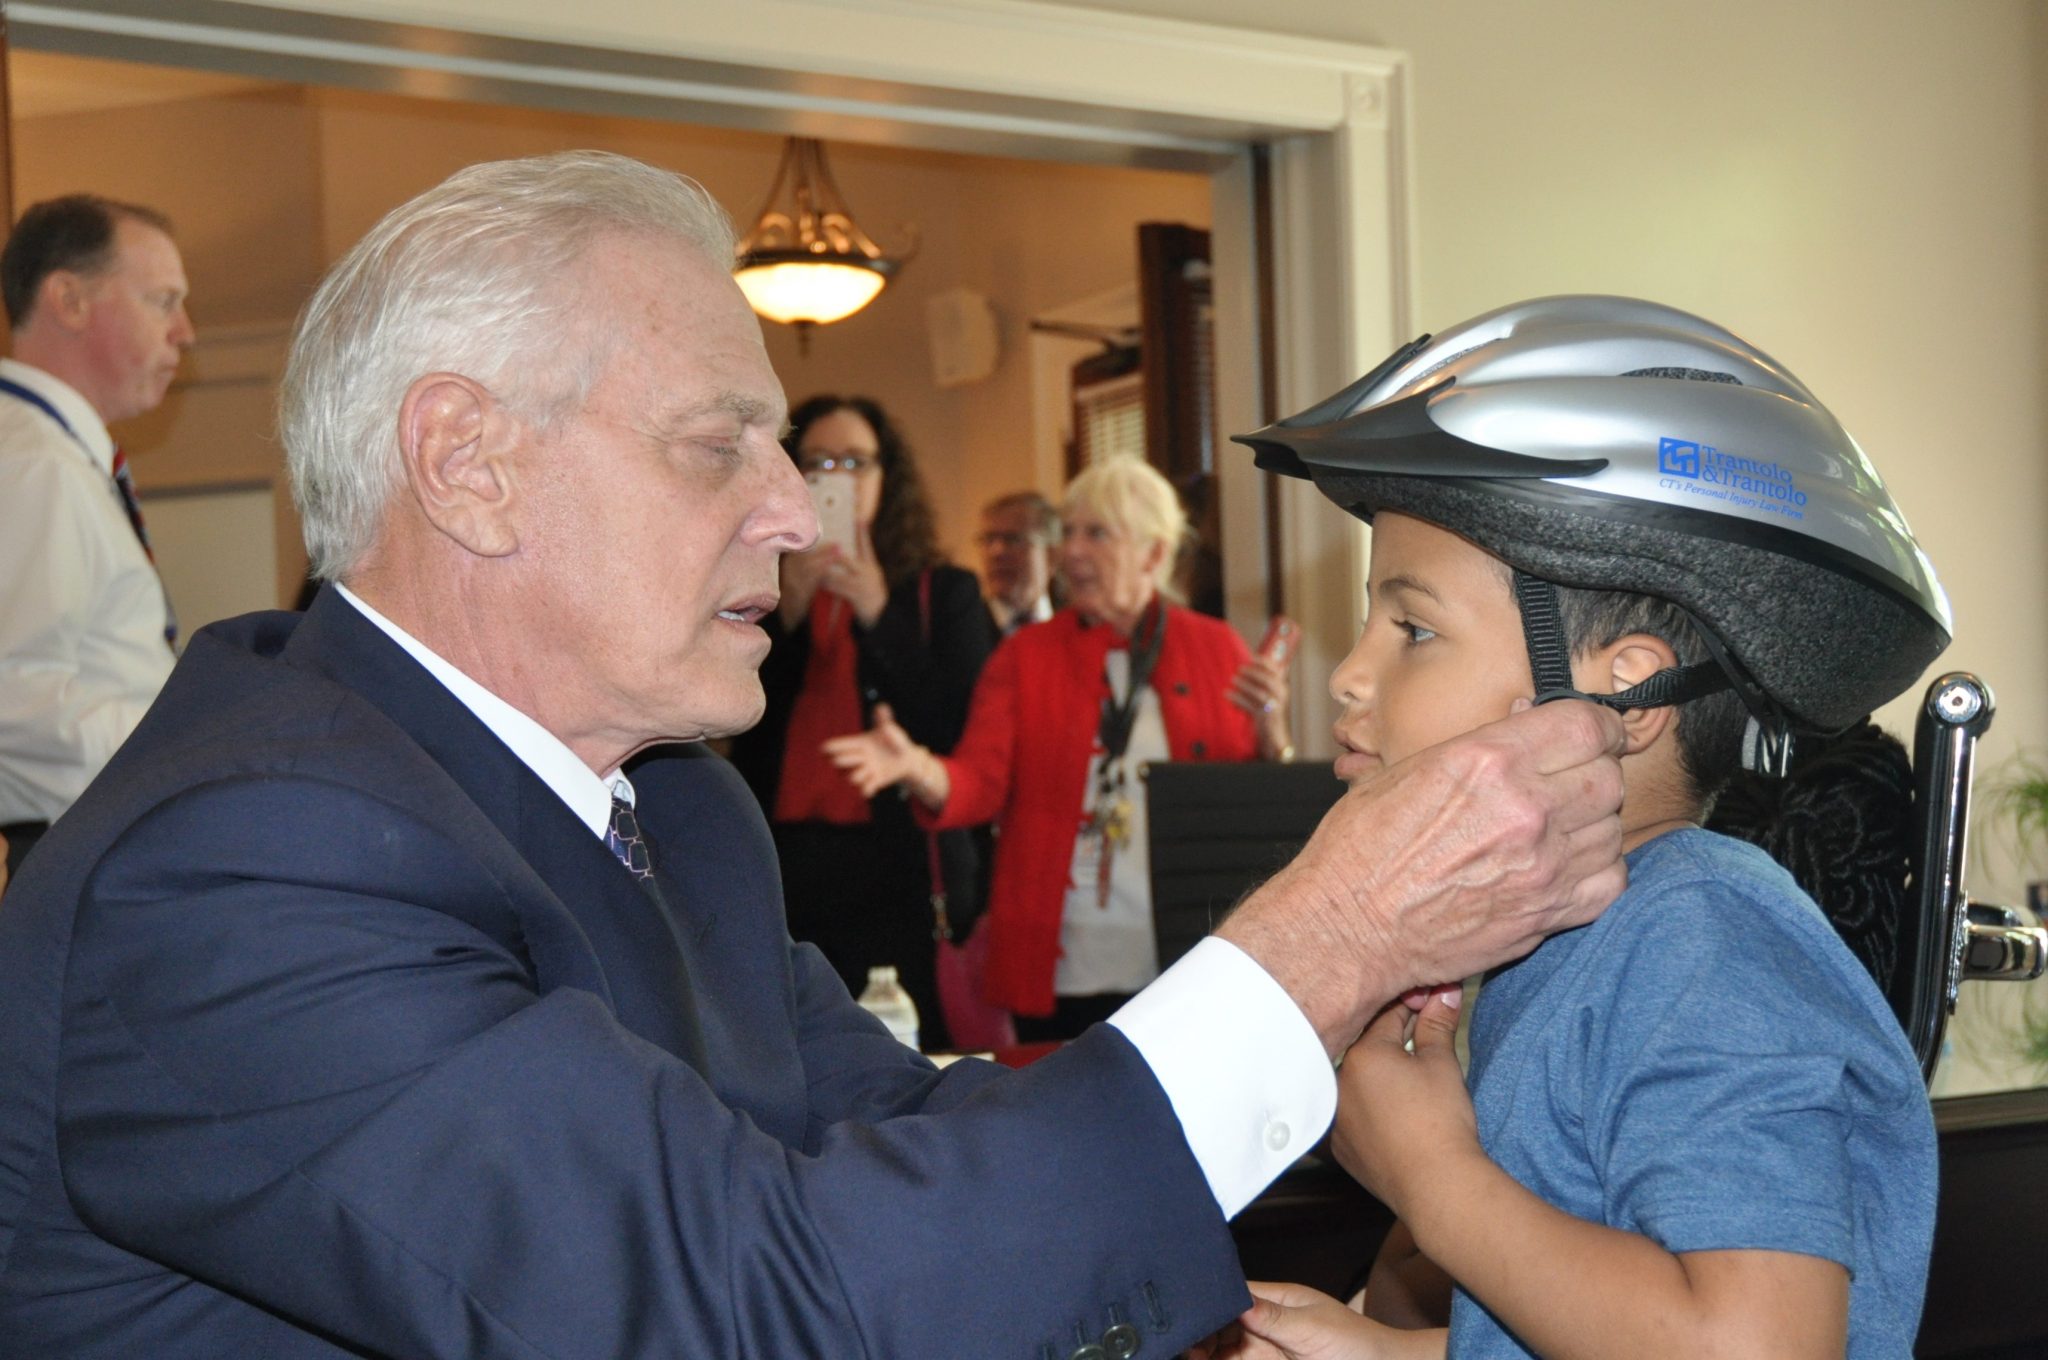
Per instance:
(1239,1062)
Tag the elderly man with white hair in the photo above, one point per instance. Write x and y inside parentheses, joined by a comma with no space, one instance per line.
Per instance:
(372,1003)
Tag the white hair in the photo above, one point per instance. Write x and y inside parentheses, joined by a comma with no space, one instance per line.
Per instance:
(475,276)
(1135,499)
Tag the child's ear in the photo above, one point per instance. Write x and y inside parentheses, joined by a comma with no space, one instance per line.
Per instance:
(1623,664)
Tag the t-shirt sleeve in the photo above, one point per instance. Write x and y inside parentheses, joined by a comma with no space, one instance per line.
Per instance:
(1720,1113)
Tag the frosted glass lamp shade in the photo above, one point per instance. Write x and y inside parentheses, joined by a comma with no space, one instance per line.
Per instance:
(818,291)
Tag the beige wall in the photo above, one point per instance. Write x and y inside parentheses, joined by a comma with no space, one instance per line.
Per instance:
(236,174)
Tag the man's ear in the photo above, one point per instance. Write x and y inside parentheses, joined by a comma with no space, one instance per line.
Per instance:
(1623,664)
(455,441)
(65,297)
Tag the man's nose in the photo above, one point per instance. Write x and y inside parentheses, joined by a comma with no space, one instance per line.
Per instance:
(787,516)
(182,332)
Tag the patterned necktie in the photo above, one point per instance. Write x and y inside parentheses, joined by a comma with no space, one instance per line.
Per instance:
(124,483)
(623,839)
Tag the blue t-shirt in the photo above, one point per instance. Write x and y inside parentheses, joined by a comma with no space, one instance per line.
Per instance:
(1708,1065)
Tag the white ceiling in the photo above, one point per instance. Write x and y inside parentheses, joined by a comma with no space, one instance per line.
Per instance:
(40,84)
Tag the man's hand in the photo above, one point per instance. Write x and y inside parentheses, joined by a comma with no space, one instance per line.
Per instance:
(1441,866)
(1401,1113)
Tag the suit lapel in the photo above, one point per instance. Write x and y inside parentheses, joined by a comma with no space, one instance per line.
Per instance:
(631,933)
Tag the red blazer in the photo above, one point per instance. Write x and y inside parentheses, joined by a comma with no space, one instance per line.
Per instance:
(1023,759)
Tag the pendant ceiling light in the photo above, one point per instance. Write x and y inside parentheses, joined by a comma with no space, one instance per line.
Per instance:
(806,263)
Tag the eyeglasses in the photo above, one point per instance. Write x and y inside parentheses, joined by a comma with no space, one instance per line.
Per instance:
(839,462)
(997,538)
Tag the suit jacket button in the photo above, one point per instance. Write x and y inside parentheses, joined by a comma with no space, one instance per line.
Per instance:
(1200,749)
(1181,688)
(1090,1351)
(1120,1342)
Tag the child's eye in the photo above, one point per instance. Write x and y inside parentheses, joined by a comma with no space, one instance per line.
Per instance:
(1415,631)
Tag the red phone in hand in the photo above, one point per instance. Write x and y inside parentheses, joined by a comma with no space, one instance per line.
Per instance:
(1283,635)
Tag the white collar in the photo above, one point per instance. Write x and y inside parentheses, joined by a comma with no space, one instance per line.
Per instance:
(588,795)
(1007,618)
(78,413)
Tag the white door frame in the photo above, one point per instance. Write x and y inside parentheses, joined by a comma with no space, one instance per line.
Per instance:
(1005,77)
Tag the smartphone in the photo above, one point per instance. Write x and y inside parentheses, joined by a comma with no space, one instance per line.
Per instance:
(832,495)
(1283,635)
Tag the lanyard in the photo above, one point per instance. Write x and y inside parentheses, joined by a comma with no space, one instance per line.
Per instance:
(42,403)
(1114,731)
(1110,814)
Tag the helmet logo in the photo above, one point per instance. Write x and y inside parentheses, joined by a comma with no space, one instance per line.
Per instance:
(1678,457)
(1744,483)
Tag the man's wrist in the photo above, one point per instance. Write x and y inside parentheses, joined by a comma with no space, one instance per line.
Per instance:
(1289,927)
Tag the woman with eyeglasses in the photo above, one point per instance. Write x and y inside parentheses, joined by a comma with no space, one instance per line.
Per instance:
(880,619)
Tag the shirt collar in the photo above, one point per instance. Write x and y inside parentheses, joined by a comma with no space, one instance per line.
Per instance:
(588,795)
(1008,618)
(76,410)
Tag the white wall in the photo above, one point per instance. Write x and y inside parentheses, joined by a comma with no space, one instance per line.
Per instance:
(216,551)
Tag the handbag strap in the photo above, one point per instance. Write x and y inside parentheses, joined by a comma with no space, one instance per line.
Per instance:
(942,926)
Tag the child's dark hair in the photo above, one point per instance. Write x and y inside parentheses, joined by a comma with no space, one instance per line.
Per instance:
(1841,821)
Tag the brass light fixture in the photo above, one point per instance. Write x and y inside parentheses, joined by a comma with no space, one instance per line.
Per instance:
(806,263)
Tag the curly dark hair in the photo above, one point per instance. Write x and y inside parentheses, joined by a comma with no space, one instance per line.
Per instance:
(1842,822)
(906,536)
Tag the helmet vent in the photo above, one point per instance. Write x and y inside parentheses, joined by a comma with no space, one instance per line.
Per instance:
(1440,365)
(1688,374)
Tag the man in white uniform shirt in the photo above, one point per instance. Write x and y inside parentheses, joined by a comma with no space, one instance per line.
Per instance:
(95,291)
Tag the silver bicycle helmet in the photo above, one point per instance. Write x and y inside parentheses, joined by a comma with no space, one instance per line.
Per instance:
(1613,444)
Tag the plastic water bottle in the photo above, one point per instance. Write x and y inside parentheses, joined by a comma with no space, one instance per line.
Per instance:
(885,999)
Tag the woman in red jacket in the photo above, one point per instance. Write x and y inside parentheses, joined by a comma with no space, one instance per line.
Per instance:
(1063,716)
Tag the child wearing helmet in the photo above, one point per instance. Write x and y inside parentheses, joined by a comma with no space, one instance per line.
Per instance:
(1693,1126)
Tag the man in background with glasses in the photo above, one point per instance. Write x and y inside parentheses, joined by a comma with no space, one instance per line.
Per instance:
(1018,533)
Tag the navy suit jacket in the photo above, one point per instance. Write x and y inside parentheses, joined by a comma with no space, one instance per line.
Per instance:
(326,1028)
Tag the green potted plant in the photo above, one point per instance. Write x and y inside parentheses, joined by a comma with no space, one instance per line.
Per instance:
(2019,807)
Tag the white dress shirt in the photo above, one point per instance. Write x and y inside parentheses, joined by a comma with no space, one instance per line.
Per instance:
(1240,1064)
(82,615)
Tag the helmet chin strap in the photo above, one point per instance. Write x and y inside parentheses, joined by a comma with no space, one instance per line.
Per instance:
(1766,745)
(1550,661)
